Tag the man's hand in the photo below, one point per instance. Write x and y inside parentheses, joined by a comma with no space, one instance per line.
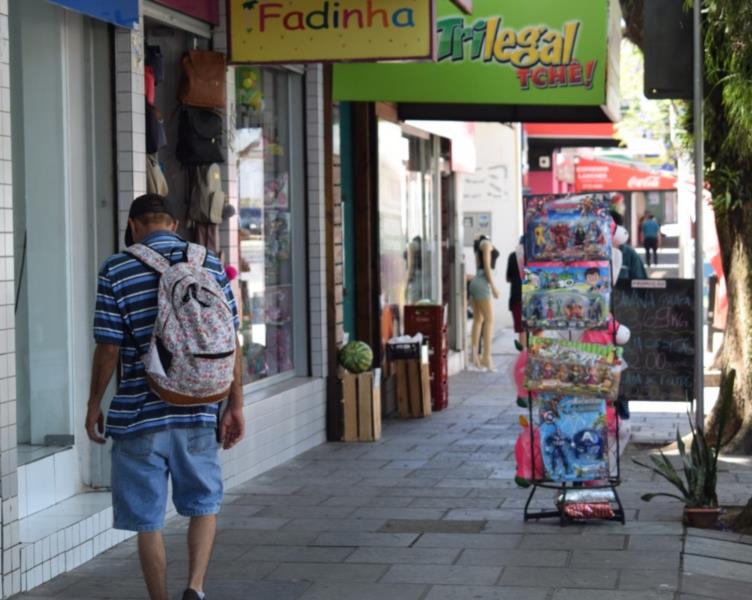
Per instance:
(231,427)
(95,424)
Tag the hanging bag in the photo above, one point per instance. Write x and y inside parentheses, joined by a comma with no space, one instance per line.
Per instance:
(207,199)
(199,137)
(203,81)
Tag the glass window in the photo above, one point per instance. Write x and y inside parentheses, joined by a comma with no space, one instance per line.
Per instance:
(271,220)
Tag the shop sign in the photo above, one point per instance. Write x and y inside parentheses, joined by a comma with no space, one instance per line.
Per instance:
(123,13)
(595,176)
(294,31)
(532,52)
(204,10)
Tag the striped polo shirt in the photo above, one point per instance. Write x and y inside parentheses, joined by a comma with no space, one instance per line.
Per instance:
(125,313)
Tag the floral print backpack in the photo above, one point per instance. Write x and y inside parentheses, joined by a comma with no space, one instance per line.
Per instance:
(191,355)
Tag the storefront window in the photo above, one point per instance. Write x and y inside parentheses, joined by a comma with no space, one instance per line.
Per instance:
(268,140)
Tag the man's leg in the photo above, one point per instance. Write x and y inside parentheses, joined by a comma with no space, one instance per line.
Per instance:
(151,553)
(201,533)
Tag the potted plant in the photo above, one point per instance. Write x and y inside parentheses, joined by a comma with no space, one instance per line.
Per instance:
(697,476)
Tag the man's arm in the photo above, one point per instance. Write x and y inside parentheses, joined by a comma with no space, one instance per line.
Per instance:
(103,366)
(232,425)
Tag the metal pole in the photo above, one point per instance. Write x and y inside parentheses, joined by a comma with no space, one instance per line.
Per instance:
(699,188)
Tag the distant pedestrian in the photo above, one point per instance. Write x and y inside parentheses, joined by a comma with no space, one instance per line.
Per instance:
(514,278)
(632,266)
(650,231)
(154,441)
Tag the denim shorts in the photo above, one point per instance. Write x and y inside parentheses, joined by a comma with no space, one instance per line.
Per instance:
(140,469)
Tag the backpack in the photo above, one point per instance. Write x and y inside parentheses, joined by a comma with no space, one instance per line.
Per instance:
(207,200)
(191,355)
(203,80)
(199,137)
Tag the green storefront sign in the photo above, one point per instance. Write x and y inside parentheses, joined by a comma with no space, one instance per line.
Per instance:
(534,52)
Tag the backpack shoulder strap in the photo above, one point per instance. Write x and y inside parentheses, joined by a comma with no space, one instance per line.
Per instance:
(196,255)
(151,258)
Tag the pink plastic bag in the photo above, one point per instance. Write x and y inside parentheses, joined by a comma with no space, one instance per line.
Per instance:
(524,457)
(519,374)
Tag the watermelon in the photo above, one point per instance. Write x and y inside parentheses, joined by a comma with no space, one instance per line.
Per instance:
(356,357)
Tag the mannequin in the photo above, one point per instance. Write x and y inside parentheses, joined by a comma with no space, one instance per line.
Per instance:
(481,288)
(414,257)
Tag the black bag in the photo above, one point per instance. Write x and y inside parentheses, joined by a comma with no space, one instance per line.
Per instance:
(155,60)
(199,137)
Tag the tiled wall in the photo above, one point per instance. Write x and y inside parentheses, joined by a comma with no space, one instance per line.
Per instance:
(11,555)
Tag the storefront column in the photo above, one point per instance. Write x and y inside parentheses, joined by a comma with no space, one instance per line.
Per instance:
(316,218)
(11,550)
(130,119)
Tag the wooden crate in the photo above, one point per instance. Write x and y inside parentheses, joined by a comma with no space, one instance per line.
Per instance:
(362,407)
(413,388)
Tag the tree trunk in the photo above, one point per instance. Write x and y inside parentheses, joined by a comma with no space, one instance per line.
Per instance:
(736,249)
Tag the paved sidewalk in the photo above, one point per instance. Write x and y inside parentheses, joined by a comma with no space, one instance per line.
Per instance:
(431,513)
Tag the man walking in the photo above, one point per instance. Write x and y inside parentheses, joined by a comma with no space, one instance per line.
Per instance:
(650,231)
(152,439)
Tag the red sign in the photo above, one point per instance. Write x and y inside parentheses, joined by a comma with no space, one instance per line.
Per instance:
(597,176)
(204,10)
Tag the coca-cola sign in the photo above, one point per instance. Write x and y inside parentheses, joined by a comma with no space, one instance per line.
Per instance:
(600,176)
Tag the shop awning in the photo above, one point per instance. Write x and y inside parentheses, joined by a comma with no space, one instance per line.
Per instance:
(597,176)
(123,13)
(534,61)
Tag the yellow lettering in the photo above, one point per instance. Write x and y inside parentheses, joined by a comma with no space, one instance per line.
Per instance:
(571,30)
(551,53)
(527,55)
(507,39)
(492,26)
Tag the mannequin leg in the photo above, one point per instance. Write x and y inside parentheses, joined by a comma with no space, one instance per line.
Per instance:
(478,319)
(486,308)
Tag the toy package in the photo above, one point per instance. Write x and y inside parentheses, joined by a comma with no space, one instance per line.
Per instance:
(573,437)
(573,367)
(561,296)
(563,228)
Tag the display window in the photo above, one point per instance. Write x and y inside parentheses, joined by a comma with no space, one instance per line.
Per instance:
(271,234)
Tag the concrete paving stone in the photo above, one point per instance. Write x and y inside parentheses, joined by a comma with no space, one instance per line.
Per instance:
(442,574)
(356,539)
(703,565)
(371,501)
(266,490)
(306,512)
(341,572)
(669,543)
(711,586)
(276,500)
(280,554)
(432,526)
(398,513)
(383,482)
(219,570)
(56,585)
(634,528)
(649,579)
(455,503)
(235,537)
(335,525)
(562,577)
(596,594)
(405,464)
(408,556)
(239,510)
(728,536)
(360,591)
(718,549)
(427,492)
(628,559)
(260,523)
(258,590)
(474,592)
(121,567)
(91,588)
(476,540)
(353,490)
(489,484)
(572,541)
(520,558)
(479,514)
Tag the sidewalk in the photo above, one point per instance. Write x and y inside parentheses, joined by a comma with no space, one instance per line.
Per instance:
(431,513)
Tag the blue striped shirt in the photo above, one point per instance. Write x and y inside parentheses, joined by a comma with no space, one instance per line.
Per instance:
(125,313)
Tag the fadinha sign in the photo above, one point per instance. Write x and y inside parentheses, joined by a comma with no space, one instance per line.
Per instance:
(293,31)
(531,52)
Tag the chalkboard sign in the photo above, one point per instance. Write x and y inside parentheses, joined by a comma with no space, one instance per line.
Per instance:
(661,351)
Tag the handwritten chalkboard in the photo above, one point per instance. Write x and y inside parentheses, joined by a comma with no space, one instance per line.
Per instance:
(661,351)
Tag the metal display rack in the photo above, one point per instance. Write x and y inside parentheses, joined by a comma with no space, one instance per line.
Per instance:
(565,487)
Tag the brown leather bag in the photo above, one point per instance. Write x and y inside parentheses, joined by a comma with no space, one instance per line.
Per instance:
(203,81)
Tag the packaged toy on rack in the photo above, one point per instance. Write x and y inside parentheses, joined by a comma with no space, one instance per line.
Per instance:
(573,437)
(565,296)
(563,228)
(576,368)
